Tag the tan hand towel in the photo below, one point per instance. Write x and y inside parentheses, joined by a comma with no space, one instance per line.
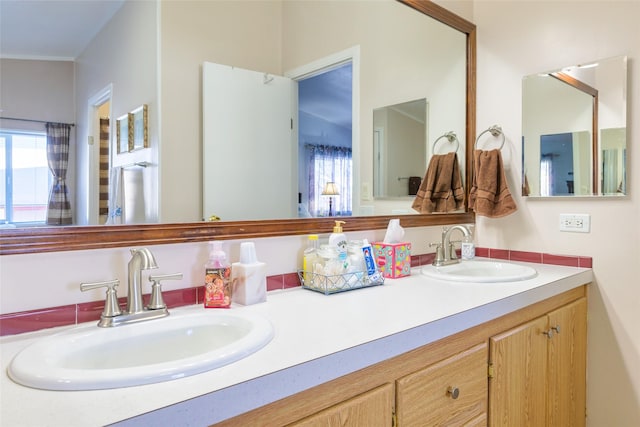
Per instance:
(441,189)
(489,195)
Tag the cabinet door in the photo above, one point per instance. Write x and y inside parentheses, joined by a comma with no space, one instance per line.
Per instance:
(567,365)
(450,392)
(372,409)
(517,388)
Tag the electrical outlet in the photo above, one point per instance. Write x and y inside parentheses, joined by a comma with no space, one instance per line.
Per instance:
(365,192)
(577,223)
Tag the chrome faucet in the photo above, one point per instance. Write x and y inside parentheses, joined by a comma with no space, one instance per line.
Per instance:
(141,259)
(445,250)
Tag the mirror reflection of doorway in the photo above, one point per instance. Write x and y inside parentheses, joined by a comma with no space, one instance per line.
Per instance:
(93,190)
(556,164)
(325,127)
(565,164)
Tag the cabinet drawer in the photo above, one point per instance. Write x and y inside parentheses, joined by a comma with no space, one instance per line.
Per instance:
(371,409)
(450,392)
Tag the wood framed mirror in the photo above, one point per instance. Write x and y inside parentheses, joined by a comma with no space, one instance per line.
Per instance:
(48,239)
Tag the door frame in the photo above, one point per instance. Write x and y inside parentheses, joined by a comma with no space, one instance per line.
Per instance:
(322,65)
(93,131)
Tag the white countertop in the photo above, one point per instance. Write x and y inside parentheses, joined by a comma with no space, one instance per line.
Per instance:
(317,338)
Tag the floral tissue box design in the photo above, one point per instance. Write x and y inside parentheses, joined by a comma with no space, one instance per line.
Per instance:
(394,259)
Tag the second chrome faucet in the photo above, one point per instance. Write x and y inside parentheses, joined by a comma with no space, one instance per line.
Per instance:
(141,259)
(445,250)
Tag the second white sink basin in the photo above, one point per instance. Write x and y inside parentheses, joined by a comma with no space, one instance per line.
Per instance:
(183,344)
(480,271)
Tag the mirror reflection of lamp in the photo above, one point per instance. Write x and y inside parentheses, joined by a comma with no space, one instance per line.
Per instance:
(330,190)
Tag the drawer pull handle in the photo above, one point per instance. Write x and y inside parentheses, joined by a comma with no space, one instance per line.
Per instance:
(556,328)
(548,333)
(453,392)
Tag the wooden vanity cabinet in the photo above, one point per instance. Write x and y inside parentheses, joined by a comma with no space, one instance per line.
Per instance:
(538,371)
(538,379)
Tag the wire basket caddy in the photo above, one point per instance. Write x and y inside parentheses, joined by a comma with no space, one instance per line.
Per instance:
(337,283)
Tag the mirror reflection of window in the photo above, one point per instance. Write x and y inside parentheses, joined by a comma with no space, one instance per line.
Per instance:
(24,178)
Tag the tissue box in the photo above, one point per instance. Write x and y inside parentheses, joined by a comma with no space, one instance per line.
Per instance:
(394,259)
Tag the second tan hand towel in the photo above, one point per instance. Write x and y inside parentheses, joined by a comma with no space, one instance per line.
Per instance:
(441,189)
(490,195)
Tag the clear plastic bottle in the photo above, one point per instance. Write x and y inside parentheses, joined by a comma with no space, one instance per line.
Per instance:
(310,258)
(468,248)
(217,287)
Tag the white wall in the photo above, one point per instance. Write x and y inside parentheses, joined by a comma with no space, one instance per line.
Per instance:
(224,32)
(391,72)
(519,38)
(230,32)
(66,270)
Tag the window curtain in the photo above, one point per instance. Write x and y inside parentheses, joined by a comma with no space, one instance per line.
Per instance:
(59,208)
(328,163)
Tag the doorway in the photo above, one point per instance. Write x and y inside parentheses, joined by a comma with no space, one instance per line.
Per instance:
(100,156)
(325,141)
(328,134)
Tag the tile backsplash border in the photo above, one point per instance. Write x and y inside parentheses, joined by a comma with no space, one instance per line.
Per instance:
(33,320)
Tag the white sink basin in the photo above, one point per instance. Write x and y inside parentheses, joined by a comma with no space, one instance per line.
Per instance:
(480,271)
(183,344)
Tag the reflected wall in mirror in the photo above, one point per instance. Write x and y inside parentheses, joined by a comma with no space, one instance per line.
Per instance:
(387,70)
(399,148)
(574,130)
(179,80)
(389,34)
(112,64)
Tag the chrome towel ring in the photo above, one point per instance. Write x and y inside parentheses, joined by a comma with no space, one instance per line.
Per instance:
(496,131)
(451,137)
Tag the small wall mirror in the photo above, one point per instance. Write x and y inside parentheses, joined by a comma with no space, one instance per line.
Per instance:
(574,124)
(399,148)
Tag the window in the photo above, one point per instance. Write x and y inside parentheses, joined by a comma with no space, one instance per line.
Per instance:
(25,178)
(329,164)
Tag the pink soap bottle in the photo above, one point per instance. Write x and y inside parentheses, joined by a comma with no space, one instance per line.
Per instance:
(217,286)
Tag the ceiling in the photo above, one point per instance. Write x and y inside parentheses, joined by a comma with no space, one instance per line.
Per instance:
(51,29)
(328,95)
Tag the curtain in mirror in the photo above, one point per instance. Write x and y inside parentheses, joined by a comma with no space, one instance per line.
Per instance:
(329,164)
(59,207)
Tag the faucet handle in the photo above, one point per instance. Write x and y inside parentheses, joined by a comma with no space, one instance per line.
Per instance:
(156,302)
(439,253)
(111,307)
(452,250)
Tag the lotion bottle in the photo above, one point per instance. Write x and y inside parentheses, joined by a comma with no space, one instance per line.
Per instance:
(217,289)
(338,240)
(249,277)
